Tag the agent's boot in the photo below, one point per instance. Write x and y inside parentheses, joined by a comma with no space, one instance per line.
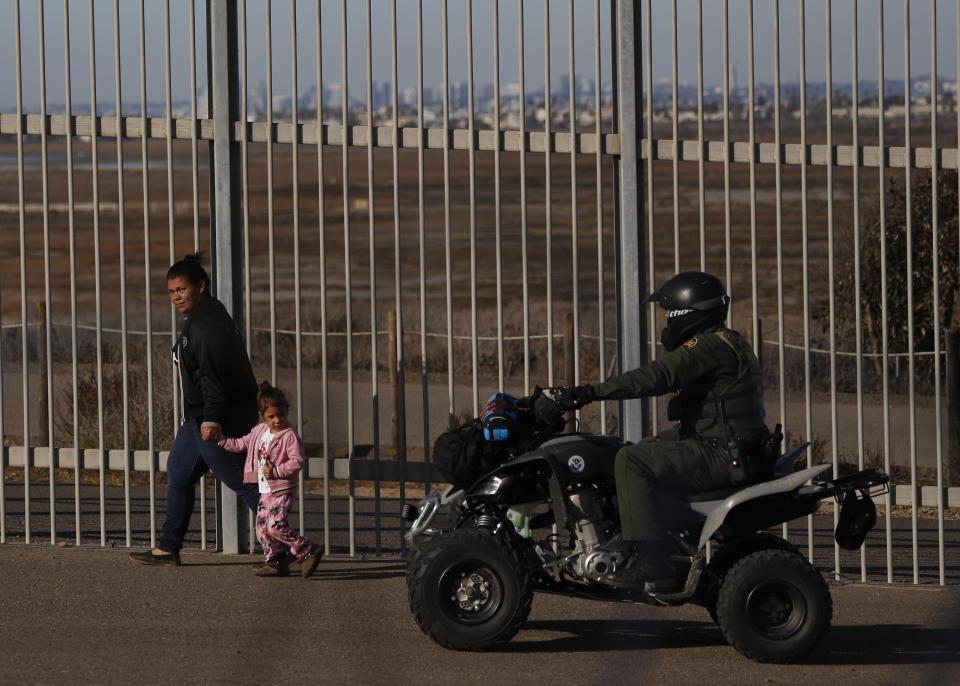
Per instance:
(642,561)
(654,559)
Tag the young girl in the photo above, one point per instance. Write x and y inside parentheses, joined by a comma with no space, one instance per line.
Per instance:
(274,458)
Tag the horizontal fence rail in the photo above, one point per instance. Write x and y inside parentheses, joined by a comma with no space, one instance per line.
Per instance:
(283,132)
(737,152)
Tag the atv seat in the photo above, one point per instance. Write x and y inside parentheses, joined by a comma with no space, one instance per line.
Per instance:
(784,467)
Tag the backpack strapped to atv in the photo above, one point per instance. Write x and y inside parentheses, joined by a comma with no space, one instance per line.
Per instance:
(463,454)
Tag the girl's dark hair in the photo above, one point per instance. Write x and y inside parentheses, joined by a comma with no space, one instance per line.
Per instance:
(191,269)
(271,396)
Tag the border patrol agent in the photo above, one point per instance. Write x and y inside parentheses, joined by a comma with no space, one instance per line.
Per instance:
(719,440)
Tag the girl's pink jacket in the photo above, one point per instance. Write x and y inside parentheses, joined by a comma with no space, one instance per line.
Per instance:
(285,452)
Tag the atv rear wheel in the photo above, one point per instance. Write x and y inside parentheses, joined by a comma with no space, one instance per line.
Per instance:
(708,590)
(774,606)
(468,589)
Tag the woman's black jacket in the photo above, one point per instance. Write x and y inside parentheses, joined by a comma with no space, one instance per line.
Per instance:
(216,378)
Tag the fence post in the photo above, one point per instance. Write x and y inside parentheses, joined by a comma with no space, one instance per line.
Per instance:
(952,466)
(634,414)
(758,345)
(226,234)
(394,385)
(568,350)
(43,437)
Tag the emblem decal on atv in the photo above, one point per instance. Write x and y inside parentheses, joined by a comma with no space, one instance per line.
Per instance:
(576,464)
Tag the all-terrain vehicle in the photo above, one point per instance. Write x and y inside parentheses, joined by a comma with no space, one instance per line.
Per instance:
(540,504)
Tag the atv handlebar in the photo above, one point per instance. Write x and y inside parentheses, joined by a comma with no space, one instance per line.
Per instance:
(550,404)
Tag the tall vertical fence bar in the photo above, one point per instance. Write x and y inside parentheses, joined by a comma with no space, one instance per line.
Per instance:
(407,207)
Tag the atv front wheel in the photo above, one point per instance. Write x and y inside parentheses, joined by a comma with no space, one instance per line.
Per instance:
(468,589)
(774,606)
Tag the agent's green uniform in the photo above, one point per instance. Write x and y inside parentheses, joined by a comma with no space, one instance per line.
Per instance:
(717,377)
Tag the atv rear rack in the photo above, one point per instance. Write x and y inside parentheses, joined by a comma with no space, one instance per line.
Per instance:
(871,483)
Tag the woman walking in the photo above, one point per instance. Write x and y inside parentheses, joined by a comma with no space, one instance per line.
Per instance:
(219,393)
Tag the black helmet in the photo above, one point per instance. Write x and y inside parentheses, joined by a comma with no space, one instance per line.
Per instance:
(694,301)
(690,291)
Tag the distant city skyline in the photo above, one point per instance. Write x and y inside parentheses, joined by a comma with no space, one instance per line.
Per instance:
(483,36)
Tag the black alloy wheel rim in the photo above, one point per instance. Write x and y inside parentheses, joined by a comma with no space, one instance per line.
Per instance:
(471,592)
(776,609)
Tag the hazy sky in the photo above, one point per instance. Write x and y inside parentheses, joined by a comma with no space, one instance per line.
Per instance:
(483,42)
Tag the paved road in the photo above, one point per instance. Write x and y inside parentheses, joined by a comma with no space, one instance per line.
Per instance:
(78,615)
(384,542)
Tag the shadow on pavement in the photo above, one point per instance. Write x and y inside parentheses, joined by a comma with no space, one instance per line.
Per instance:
(888,644)
(192,563)
(844,645)
(328,570)
(615,634)
(395,571)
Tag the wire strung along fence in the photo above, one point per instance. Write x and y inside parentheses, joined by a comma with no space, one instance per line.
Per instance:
(411,204)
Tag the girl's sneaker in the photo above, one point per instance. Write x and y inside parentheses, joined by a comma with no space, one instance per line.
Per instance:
(310,561)
(278,566)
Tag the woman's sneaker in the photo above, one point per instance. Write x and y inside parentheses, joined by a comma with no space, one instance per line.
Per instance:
(148,557)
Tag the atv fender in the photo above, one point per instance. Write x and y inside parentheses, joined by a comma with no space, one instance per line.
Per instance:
(499,485)
(716,511)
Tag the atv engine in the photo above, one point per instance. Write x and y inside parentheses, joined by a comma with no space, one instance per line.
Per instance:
(592,529)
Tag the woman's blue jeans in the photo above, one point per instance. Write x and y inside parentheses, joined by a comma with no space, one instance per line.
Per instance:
(189,459)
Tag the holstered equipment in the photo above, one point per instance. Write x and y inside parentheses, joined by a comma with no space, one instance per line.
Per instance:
(675,409)
(771,452)
(748,459)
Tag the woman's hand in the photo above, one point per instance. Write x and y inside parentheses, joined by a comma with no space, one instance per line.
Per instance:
(211,433)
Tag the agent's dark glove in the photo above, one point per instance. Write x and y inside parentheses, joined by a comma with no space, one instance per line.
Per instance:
(546,409)
(585,394)
(576,397)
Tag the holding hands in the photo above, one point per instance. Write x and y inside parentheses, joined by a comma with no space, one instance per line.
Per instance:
(211,433)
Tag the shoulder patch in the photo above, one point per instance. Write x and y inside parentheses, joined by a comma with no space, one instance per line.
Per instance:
(691,343)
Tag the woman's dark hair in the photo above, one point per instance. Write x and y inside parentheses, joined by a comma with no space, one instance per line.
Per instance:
(191,269)
(271,396)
